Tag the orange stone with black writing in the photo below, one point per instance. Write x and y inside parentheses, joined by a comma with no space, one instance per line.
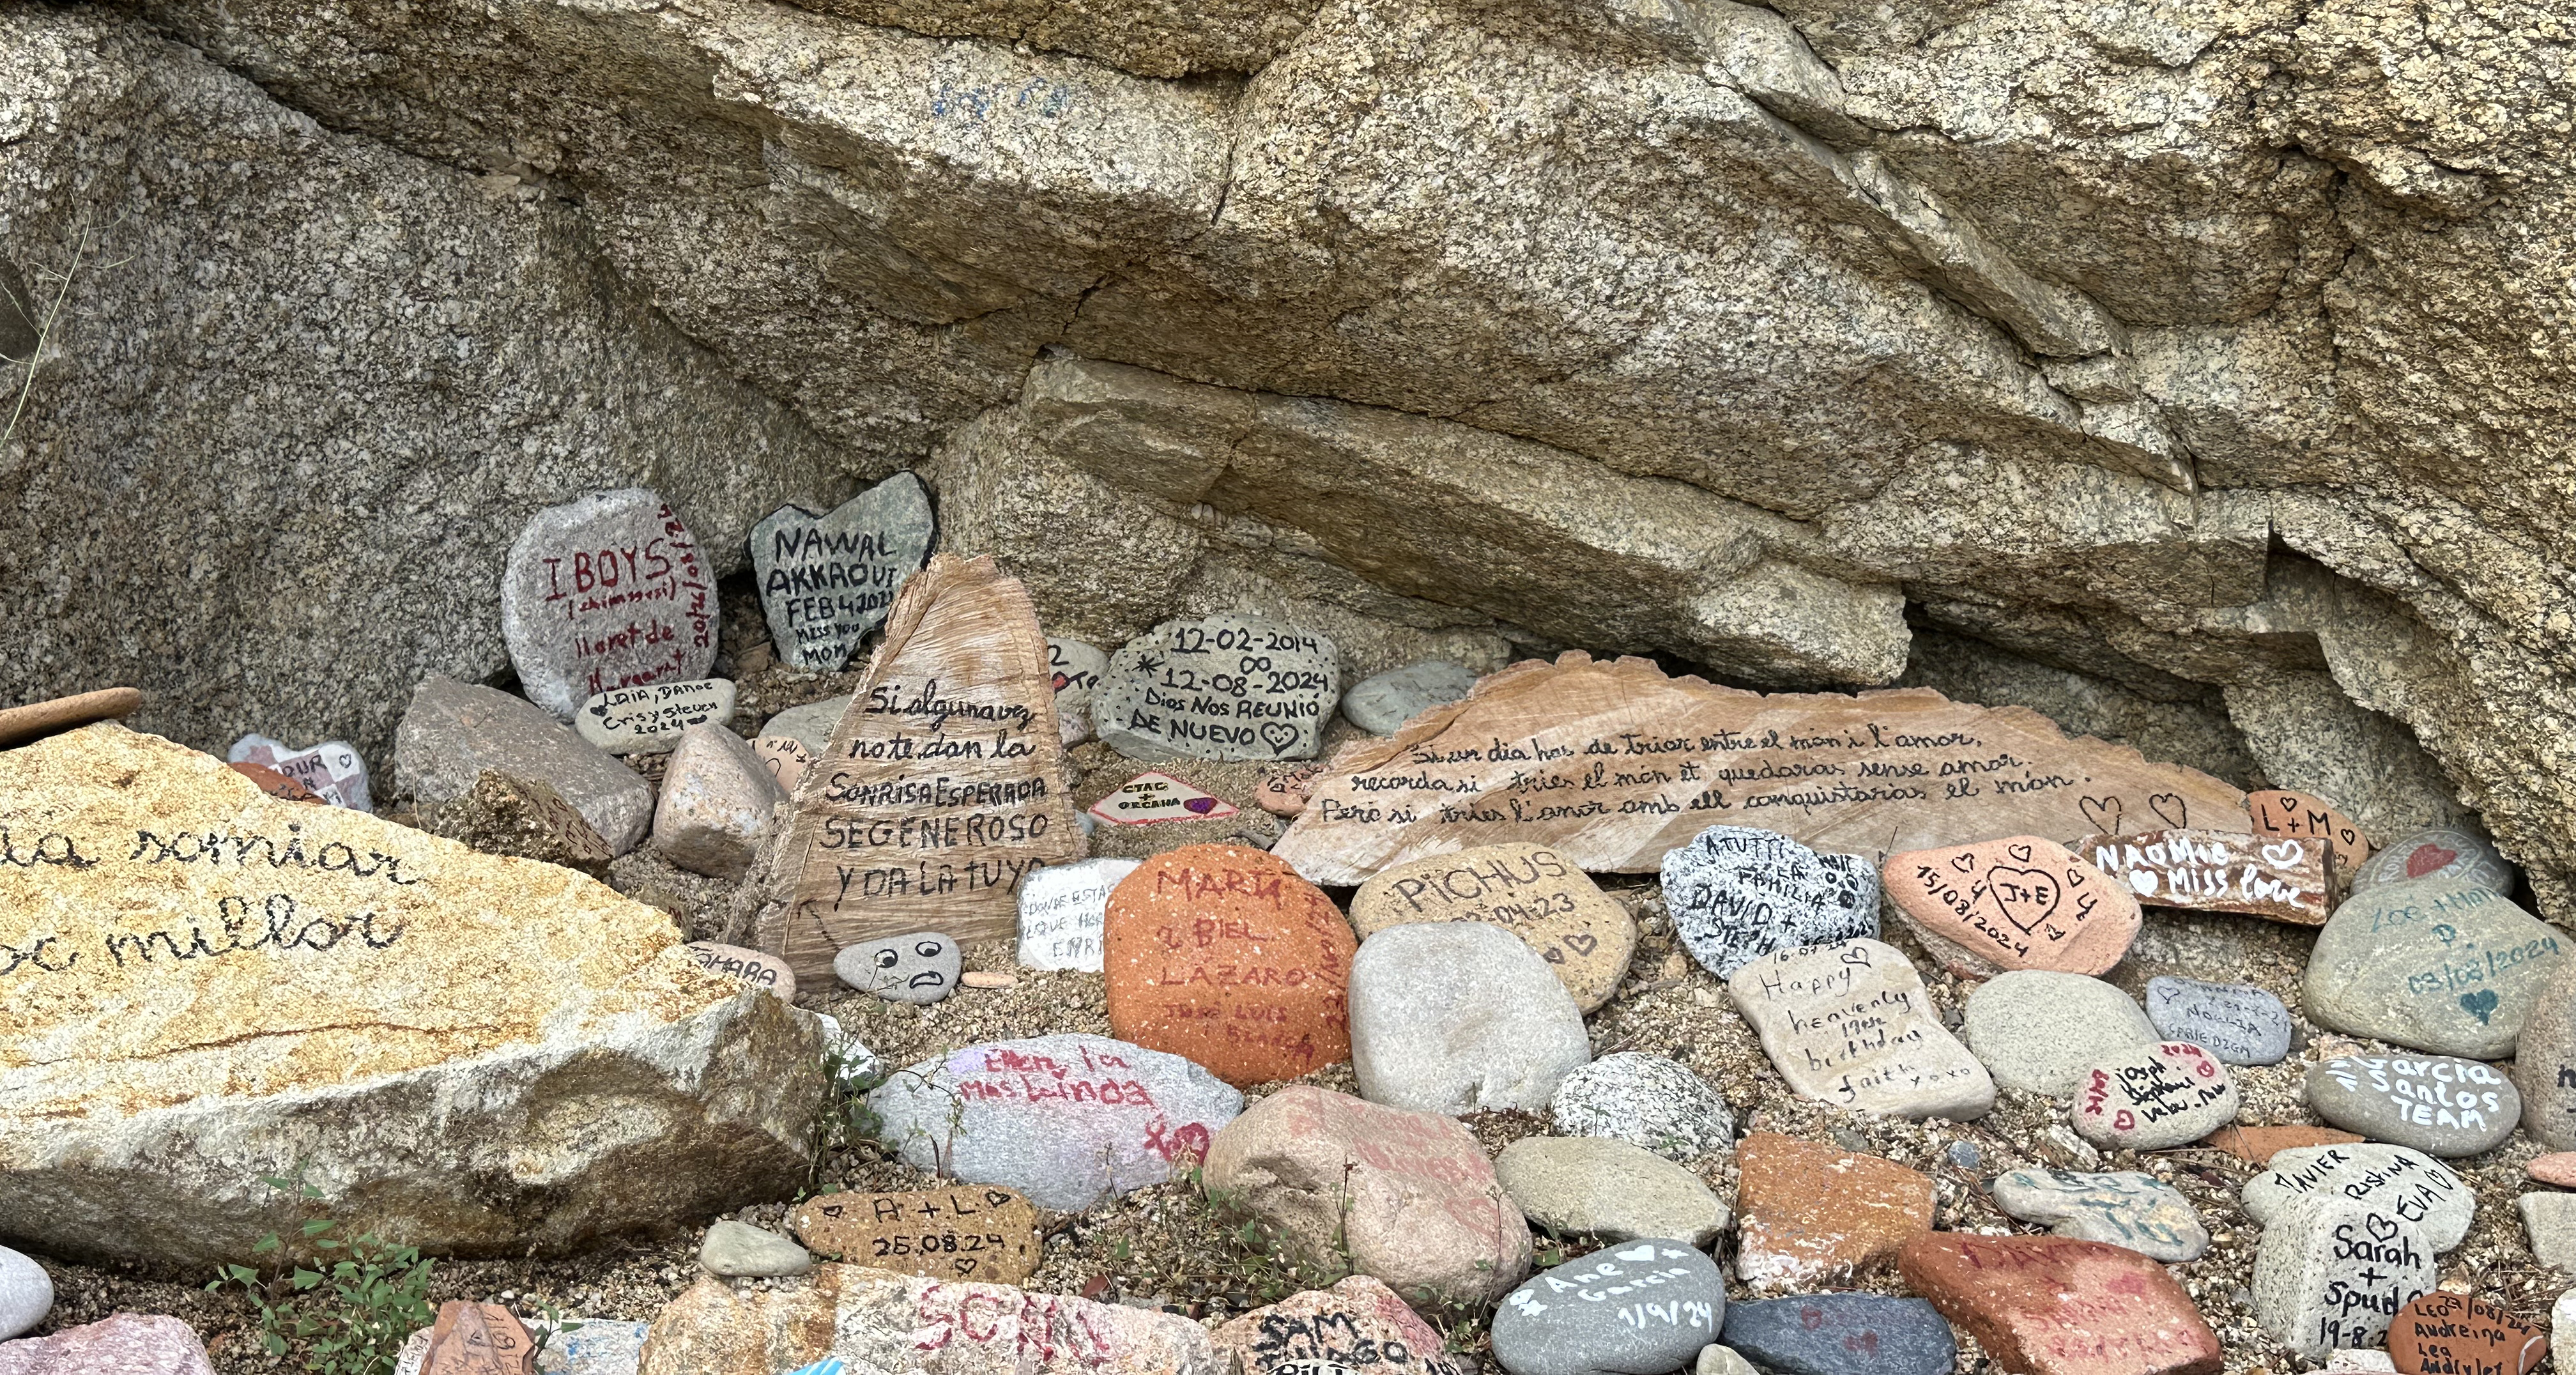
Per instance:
(2453,1334)
(478,1339)
(2023,902)
(273,783)
(1808,1214)
(980,1232)
(2059,1306)
(1221,954)
(2305,816)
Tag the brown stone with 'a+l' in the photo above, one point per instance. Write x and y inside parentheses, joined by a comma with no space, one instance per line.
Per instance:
(2023,902)
(1808,1214)
(2453,1334)
(2059,1306)
(2278,812)
(2257,1145)
(979,1232)
(1221,954)
(478,1339)
(275,784)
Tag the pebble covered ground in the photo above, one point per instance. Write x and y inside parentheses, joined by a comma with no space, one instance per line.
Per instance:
(1165,1246)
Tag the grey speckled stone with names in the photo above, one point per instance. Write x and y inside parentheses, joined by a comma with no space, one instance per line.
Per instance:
(1737,894)
(827,580)
(2406,1182)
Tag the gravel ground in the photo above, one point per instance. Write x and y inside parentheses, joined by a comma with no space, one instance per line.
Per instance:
(1165,1247)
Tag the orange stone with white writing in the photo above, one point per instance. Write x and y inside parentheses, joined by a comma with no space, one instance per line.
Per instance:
(1220,954)
(2022,902)
(2453,1334)
(1808,1214)
(478,1339)
(2304,816)
(2059,1306)
(980,1232)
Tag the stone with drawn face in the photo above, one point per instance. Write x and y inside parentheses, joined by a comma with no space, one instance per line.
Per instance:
(918,968)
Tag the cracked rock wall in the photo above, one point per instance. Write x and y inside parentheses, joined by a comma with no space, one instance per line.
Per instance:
(2195,370)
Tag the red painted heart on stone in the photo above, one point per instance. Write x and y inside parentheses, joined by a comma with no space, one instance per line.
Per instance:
(2428,859)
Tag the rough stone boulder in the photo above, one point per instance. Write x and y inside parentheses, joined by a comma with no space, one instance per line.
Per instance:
(206,985)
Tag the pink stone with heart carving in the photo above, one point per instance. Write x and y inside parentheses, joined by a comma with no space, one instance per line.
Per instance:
(2022,902)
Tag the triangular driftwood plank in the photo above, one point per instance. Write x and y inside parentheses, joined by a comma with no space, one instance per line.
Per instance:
(1612,764)
(944,783)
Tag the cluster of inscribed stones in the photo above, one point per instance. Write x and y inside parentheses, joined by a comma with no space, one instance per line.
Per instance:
(1457,982)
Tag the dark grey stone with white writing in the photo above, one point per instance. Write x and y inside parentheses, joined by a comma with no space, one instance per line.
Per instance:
(2437,964)
(2441,853)
(606,592)
(827,580)
(2128,1209)
(2332,1271)
(2406,1182)
(1643,1308)
(1225,688)
(1843,1334)
(2437,1104)
(1381,705)
(918,968)
(2238,1023)
(1646,1100)
(454,731)
(1736,894)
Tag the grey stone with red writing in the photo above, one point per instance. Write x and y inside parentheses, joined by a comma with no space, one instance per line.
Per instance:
(827,580)
(332,770)
(2238,1023)
(1843,1334)
(1382,704)
(2040,1030)
(2438,1104)
(1457,1017)
(2440,965)
(918,968)
(2444,852)
(606,592)
(2154,1097)
(1645,1100)
(454,731)
(2331,1272)
(1640,1308)
(2407,1182)
(2127,1208)
(1225,688)
(1736,894)
(1067,1119)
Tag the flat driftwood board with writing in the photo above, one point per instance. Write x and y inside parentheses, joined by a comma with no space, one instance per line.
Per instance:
(944,783)
(1614,763)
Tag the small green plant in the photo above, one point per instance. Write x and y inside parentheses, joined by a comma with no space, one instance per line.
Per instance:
(845,1119)
(551,1326)
(351,1317)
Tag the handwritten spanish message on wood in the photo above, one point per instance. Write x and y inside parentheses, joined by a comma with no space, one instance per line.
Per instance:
(1612,764)
(944,783)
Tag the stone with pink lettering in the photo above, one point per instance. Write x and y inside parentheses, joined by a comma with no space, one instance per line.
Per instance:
(1068,1119)
(606,592)
(2280,877)
(331,771)
(2154,1097)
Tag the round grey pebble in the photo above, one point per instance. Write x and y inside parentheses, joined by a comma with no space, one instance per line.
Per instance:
(1645,1308)
(735,1250)
(1647,1100)
(2238,1023)
(1454,1017)
(2038,1030)
(921,967)
(26,1293)
(1381,705)
(2437,965)
(2437,1104)
(1588,1186)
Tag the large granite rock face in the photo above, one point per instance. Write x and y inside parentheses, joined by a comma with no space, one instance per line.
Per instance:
(474,1054)
(2198,303)
(304,391)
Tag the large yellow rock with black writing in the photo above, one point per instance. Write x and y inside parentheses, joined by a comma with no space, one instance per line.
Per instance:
(201,985)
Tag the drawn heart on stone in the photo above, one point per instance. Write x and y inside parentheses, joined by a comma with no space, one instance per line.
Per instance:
(2381,1228)
(1966,864)
(2428,859)
(1642,1253)
(2026,897)
(2020,853)
(2143,881)
(1279,735)
(1201,805)
(2285,855)
(1583,945)
(2171,807)
(1554,955)
(2480,1004)
(2102,812)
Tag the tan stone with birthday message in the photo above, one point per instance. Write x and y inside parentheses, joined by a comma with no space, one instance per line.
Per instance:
(1528,890)
(2281,878)
(2278,812)
(980,1232)
(2018,903)
(194,972)
(1220,954)
(944,783)
(1614,764)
